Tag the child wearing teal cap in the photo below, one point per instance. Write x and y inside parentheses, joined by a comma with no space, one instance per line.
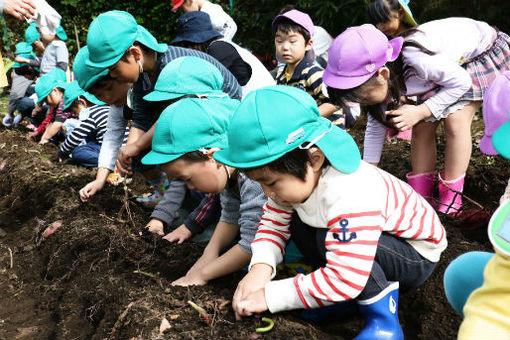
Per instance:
(370,231)
(183,146)
(32,37)
(128,54)
(83,142)
(50,90)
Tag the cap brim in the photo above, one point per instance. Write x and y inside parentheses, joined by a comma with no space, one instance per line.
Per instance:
(224,156)
(344,82)
(193,37)
(156,158)
(396,44)
(93,99)
(408,16)
(44,95)
(92,80)
(177,5)
(501,139)
(486,146)
(157,96)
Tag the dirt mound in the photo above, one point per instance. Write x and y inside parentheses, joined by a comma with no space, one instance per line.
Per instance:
(98,277)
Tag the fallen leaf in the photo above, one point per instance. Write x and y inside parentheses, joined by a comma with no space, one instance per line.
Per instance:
(164,326)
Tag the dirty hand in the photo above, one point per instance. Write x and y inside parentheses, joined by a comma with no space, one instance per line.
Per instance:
(20,9)
(90,189)
(408,116)
(256,279)
(32,136)
(253,303)
(126,153)
(191,279)
(181,234)
(43,141)
(155,226)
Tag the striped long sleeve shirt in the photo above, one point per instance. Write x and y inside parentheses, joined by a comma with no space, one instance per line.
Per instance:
(92,128)
(355,208)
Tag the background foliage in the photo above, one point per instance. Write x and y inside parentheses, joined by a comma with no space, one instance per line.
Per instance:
(253,17)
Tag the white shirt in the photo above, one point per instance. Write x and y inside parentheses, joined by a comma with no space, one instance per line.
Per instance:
(221,21)
(355,208)
(455,41)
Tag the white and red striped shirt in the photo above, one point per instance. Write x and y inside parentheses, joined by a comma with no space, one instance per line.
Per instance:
(356,208)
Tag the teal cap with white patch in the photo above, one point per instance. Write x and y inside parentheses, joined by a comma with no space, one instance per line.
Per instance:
(275,120)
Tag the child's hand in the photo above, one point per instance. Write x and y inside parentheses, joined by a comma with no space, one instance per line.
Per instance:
(43,141)
(408,116)
(253,303)
(191,279)
(181,234)
(32,136)
(126,153)
(90,189)
(155,226)
(256,279)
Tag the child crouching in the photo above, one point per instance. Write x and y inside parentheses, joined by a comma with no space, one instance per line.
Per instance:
(372,231)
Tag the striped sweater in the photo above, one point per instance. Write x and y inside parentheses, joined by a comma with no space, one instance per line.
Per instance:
(356,208)
(91,129)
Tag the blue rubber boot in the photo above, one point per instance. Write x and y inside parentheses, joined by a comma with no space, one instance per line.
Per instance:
(381,316)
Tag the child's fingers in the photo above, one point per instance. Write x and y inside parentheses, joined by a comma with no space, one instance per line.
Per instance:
(29,6)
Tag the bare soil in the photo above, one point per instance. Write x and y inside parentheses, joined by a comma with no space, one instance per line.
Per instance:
(99,277)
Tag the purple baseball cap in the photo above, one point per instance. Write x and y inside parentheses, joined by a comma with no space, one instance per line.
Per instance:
(496,106)
(299,18)
(357,54)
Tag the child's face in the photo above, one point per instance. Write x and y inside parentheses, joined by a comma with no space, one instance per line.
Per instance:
(394,26)
(291,47)
(206,176)
(112,91)
(54,98)
(190,6)
(284,188)
(375,92)
(126,71)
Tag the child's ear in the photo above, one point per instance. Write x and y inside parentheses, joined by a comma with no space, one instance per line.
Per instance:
(400,14)
(384,72)
(317,158)
(82,102)
(309,45)
(136,52)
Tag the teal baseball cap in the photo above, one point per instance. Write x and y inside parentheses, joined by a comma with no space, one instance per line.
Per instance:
(45,84)
(112,33)
(32,34)
(23,48)
(61,33)
(30,56)
(501,139)
(85,74)
(73,91)
(189,125)
(185,76)
(274,120)
(499,229)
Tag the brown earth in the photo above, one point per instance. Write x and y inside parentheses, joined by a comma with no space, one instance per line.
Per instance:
(80,282)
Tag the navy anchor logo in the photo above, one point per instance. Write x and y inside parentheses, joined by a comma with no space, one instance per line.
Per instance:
(343,230)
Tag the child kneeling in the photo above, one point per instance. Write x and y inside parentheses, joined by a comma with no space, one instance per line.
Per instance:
(371,230)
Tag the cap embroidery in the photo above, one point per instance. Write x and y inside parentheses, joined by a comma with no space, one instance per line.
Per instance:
(370,67)
(294,136)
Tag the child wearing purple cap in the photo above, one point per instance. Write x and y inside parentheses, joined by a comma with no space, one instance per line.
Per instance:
(293,31)
(447,65)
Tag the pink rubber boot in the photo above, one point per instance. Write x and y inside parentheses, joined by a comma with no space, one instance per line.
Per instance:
(424,185)
(450,202)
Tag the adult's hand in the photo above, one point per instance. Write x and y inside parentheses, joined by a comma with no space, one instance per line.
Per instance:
(20,9)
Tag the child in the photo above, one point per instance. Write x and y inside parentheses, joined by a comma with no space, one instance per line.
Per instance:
(135,57)
(183,145)
(50,90)
(194,30)
(448,65)
(476,283)
(84,141)
(392,17)
(292,36)
(221,21)
(32,37)
(23,77)
(371,231)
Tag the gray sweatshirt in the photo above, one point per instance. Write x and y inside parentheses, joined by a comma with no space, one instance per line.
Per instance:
(241,204)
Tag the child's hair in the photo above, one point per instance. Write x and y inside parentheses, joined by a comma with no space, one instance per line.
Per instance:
(76,102)
(293,163)
(381,11)
(195,156)
(144,49)
(26,70)
(286,26)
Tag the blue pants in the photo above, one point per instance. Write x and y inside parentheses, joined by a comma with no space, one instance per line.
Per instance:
(463,275)
(86,154)
(395,259)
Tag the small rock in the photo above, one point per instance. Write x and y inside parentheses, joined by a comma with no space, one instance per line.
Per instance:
(164,326)
(168,290)
(28,248)
(3,233)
